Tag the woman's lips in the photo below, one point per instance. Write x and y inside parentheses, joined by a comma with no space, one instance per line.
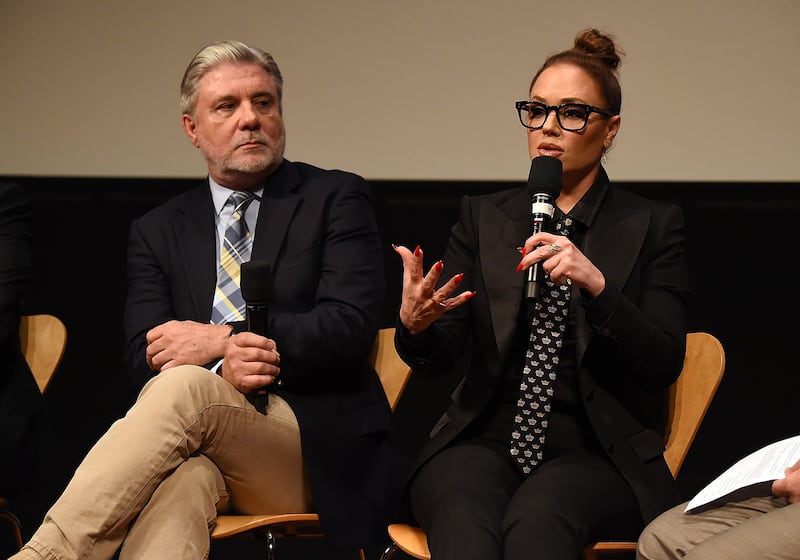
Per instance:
(549,150)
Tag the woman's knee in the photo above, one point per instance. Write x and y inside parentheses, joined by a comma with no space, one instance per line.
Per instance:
(456,505)
(542,515)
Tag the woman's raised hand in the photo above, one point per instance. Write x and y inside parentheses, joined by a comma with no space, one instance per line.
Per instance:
(422,303)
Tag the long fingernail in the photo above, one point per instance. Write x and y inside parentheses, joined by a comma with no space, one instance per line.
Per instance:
(438,266)
(471,295)
(394,246)
(519,267)
(416,251)
(458,277)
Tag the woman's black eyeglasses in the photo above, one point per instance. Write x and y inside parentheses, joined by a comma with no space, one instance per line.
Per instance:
(571,116)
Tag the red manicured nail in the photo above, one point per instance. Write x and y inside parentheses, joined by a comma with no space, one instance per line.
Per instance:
(519,267)
(416,251)
(438,266)
(471,295)
(459,277)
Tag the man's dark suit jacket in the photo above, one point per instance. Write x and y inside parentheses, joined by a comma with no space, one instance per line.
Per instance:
(317,229)
(19,395)
(630,339)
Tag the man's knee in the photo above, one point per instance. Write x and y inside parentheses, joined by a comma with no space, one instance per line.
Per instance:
(649,546)
(178,377)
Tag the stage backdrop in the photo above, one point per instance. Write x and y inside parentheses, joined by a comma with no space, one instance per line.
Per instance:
(416,89)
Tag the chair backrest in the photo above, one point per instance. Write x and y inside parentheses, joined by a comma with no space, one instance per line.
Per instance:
(43,339)
(393,372)
(691,394)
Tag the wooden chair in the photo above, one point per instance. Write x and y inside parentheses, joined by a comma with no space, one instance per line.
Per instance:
(690,397)
(394,374)
(43,339)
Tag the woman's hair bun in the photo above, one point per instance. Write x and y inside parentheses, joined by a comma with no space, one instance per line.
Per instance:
(594,43)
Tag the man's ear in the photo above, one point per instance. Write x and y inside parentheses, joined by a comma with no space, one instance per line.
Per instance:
(190,128)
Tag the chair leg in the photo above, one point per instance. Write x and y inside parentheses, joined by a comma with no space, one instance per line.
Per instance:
(389,551)
(270,545)
(16,526)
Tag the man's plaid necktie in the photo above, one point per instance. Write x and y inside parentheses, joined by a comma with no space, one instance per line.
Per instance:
(236,248)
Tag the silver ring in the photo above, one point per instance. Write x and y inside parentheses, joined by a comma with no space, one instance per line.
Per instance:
(439,303)
(554,248)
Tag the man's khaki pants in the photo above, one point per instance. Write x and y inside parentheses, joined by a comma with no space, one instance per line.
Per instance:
(191,445)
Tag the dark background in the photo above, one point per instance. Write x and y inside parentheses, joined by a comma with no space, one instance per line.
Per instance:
(742,243)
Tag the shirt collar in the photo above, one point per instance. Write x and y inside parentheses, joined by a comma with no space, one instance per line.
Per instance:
(220,194)
(587,207)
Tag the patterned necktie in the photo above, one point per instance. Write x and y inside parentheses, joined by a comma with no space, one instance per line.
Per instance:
(236,248)
(548,323)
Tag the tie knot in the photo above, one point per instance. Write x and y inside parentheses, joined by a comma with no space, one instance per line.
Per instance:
(563,225)
(240,200)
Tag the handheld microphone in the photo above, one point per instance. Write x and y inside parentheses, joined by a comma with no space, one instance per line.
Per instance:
(544,185)
(257,287)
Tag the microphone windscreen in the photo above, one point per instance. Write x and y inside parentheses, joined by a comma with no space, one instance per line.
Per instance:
(545,176)
(256,282)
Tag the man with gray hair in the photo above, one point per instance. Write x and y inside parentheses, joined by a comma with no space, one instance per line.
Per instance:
(199,440)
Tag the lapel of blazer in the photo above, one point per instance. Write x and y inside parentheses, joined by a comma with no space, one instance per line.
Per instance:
(278,204)
(195,235)
(613,244)
(615,241)
(504,225)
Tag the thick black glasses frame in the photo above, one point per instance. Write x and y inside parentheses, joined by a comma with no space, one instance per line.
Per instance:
(523,105)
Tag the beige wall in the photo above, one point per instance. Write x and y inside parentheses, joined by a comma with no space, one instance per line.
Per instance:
(408,89)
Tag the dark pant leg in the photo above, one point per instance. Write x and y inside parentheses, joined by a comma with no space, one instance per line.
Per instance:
(568,502)
(459,498)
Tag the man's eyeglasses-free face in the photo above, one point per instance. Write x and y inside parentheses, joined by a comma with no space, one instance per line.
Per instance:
(572,117)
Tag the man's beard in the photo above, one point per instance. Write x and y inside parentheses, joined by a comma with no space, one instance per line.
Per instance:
(249,164)
(268,157)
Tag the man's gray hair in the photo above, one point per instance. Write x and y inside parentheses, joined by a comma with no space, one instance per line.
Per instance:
(217,53)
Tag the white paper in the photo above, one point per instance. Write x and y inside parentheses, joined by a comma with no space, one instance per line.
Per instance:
(765,465)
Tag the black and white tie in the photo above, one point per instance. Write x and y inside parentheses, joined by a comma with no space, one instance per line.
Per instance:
(548,323)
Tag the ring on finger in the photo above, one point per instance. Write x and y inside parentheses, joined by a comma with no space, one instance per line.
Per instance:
(438,302)
(554,248)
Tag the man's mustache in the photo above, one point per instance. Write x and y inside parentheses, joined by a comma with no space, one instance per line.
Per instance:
(252,138)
